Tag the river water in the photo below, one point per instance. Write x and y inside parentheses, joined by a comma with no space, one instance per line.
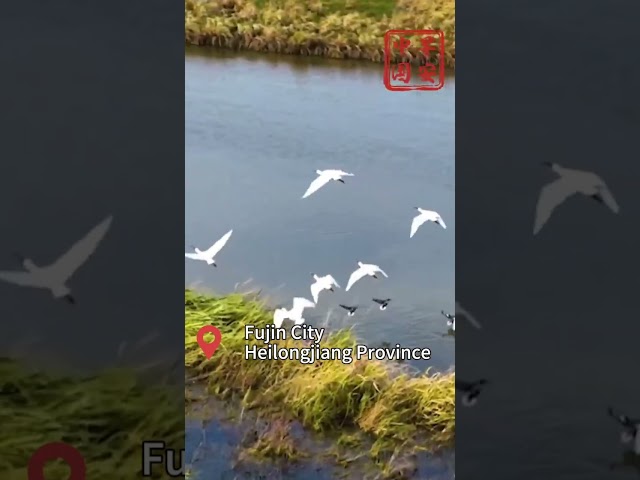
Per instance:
(258,126)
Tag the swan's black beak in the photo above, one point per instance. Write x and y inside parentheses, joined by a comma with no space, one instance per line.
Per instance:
(214,265)
(331,290)
(341,180)
(374,276)
(70,299)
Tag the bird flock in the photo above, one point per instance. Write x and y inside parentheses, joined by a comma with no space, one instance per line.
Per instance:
(568,183)
(326,283)
(55,276)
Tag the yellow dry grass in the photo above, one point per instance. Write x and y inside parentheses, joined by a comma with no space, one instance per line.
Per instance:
(335,29)
(392,405)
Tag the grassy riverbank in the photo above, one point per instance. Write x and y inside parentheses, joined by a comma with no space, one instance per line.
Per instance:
(106,417)
(331,28)
(382,400)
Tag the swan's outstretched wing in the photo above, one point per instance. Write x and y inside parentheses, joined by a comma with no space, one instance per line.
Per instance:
(193,256)
(472,320)
(24,279)
(317,184)
(279,316)
(300,303)
(316,288)
(332,280)
(551,195)
(214,249)
(382,272)
(440,222)
(415,224)
(607,198)
(355,276)
(80,252)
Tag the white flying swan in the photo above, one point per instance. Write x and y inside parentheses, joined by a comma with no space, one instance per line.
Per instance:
(569,183)
(55,276)
(322,283)
(295,313)
(324,177)
(209,254)
(425,216)
(363,270)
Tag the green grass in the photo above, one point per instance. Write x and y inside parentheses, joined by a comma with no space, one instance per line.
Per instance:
(106,417)
(391,405)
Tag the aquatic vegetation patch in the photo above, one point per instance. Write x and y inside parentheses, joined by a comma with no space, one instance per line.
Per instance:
(106,417)
(351,29)
(382,399)
(275,441)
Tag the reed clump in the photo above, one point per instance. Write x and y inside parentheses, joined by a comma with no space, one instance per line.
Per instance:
(106,417)
(382,399)
(336,29)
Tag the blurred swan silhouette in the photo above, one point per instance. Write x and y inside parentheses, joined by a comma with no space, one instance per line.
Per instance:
(569,183)
(54,277)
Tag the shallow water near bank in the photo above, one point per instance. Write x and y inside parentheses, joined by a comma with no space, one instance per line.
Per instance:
(257,127)
(222,442)
(213,446)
